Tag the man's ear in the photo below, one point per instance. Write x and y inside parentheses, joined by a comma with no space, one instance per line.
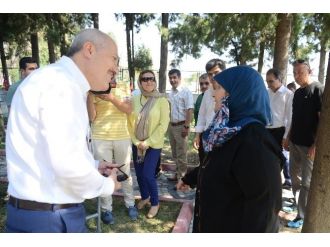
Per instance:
(88,49)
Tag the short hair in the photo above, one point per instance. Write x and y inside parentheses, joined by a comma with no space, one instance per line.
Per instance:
(24,60)
(203,76)
(215,62)
(301,61)
(95,36)
(174,71)
(291,85)
(146,71)
(276,73)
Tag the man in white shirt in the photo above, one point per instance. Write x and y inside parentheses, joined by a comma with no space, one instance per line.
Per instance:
(50,169)
(182,105)
(206,111)
(280,99)
(281,105)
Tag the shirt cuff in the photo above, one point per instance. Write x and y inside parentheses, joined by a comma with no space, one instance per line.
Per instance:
(108,187)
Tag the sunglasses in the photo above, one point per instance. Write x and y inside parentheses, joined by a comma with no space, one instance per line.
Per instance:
(121,177)
(145,79)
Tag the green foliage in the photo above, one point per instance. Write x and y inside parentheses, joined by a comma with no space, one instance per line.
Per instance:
(240,34)
(143,59)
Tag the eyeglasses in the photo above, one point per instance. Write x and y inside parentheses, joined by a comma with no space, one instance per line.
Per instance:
(301,61)
(145,79)
(206,83)
(121,177)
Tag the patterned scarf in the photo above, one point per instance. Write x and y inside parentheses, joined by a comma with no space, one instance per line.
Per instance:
(218,131)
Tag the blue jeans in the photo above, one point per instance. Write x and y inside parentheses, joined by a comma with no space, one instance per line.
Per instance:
(145,174)
(58,221)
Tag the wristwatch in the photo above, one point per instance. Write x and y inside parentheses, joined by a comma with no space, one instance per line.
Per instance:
(186,126)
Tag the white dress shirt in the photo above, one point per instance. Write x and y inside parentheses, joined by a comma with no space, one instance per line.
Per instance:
(46,149)
(281,108)
(181,99)
(206,111)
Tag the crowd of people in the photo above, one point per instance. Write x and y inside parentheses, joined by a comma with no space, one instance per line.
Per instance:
(80,129)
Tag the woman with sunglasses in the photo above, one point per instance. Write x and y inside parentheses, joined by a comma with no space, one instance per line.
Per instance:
(148,123)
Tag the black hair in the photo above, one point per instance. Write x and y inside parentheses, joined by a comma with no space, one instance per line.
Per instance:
(24,60)
(174,71)
(277,73)
(215,62)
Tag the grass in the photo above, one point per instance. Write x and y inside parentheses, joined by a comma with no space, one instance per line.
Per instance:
(162,223)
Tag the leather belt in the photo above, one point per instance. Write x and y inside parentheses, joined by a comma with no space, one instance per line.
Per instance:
(178,123)
(38,206)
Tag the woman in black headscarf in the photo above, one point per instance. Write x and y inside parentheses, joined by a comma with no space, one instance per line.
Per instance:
(239,183)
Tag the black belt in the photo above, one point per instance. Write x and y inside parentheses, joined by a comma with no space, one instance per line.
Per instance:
(38,206)
(178,123)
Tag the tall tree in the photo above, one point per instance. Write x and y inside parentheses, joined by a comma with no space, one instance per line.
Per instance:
(317,29)
(163,52)
(282,41)
(95,19)
(51,37)
(244,36)
(317,218)
(133,21)
(12,26)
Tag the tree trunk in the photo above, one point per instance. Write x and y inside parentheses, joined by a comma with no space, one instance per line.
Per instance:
(129,25)
(317,218)
(261,56)
(282,40)
(63,45)
(35,47)
(95,18)
(322,61)
(163,53)
(4,65)
(50,41)
(51,50)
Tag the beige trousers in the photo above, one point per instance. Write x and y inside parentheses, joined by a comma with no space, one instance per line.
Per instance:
(179,146)
(119,152)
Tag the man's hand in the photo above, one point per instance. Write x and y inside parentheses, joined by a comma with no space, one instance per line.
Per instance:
(106,168)
(311,152)
(196,142)
(285,144)
(181,186)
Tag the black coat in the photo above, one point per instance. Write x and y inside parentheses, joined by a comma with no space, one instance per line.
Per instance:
(239,185)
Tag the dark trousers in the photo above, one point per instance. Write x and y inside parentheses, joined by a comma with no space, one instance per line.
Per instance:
(58,221)
(278,134)
(145,174)
(201,152)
